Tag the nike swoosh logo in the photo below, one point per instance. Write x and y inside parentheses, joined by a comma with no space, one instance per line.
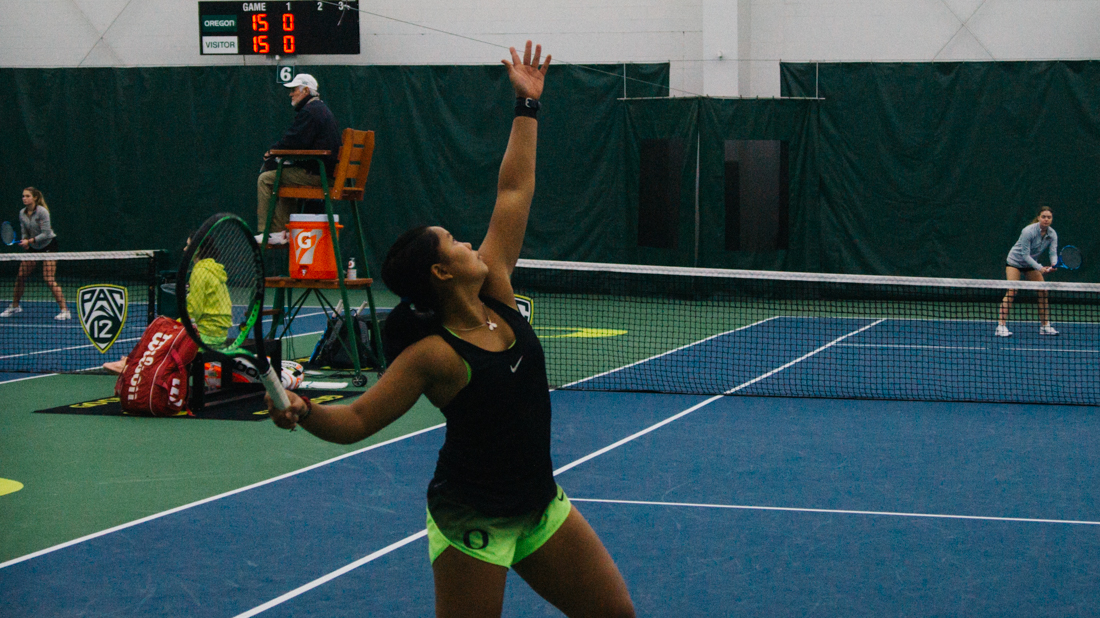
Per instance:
(516,366)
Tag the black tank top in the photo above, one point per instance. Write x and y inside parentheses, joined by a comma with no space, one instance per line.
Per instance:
(496,456)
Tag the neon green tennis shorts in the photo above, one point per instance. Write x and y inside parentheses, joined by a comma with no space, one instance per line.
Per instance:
(503,541)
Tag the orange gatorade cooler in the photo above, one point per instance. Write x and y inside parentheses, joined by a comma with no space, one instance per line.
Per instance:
(311,254)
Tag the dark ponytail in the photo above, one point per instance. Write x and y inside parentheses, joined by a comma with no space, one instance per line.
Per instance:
(407,273)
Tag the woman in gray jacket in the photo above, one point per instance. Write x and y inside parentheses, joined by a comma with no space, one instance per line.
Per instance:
(38,237)
(1035,239)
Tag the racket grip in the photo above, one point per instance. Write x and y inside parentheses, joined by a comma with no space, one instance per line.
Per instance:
(274,388)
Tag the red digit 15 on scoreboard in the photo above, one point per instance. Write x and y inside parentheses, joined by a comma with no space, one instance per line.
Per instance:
(261,43)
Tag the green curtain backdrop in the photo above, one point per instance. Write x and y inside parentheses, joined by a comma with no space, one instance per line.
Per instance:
(137,158)
(703,125)
(793,122)
(932,169)
(654,119)
(926,169)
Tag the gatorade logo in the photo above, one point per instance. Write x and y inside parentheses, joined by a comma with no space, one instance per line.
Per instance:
(305,244)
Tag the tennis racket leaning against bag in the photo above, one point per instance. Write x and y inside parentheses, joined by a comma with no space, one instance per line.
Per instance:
(220,295)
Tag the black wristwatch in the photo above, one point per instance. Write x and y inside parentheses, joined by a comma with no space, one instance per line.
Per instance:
(527,107)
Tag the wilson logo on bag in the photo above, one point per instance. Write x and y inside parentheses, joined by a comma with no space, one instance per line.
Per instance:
(155,379)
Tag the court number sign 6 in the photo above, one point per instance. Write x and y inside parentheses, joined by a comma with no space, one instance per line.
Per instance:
(286,74)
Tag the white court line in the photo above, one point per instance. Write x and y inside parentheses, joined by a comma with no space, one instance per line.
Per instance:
(1086,351)
(906,345)
(805,356)
(75,347)
(5,326)
(671,351)
(79,347)
(949,347)
(841,512)
(213,498)
(333,575)
(46,375)
(409,539)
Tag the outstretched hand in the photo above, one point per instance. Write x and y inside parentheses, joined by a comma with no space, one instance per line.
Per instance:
(286,419)
(527,75)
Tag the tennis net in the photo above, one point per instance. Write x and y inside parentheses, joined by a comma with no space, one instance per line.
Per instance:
(706,331)
(110,296)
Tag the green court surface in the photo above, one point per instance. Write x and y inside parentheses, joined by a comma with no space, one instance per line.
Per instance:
(84,474)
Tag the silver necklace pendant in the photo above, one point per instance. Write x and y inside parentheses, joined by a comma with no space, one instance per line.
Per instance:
(488,322)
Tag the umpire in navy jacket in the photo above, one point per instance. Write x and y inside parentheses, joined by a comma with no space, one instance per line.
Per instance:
(314,128)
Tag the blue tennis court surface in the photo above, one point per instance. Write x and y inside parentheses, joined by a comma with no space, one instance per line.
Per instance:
(711,506)
(851,358)
(35,343)
(746,506)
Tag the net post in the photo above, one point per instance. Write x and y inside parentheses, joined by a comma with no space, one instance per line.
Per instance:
(159,257)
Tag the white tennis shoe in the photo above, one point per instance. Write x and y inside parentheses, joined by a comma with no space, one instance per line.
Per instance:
(10,311)
(1002,331)
(277,238)
(64,315)
(1047,329)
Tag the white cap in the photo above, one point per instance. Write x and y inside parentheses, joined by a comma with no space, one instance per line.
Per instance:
(302,79)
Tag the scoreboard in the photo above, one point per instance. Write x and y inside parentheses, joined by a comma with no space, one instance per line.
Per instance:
(285,28)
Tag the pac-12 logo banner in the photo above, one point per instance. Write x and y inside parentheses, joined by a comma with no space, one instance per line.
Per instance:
(102,312)
(526,307)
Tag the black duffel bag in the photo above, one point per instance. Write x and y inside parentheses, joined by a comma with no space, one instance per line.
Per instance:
(332,349)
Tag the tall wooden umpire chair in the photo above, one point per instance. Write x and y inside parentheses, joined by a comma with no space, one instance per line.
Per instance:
(349,180)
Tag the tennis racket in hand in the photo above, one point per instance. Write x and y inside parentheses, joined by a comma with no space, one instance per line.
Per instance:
(220,295)
(7,233)
(1070,258)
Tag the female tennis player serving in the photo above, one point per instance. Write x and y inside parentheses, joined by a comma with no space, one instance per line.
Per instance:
(1034,240)
(458,338)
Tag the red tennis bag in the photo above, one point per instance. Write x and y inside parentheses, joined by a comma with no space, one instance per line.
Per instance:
(155,379)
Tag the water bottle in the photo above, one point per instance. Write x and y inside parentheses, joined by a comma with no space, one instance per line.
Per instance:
(351,269)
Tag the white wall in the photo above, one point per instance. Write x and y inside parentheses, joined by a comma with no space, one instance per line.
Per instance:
(914,31)
(752,35)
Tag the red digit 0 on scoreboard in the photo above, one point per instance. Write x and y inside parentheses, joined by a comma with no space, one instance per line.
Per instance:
(288,40)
